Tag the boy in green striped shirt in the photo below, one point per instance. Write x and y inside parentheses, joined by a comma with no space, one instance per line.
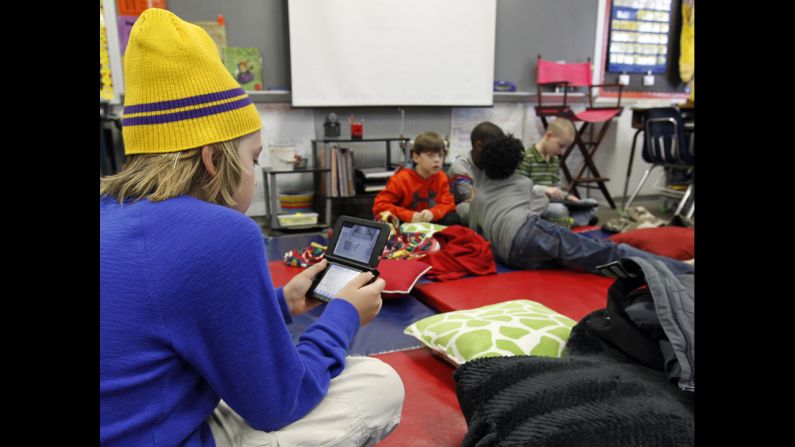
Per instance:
(542,165)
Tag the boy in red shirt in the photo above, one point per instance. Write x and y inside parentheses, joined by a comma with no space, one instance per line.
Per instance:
(420,194)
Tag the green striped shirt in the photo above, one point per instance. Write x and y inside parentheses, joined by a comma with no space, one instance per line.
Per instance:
(541,172)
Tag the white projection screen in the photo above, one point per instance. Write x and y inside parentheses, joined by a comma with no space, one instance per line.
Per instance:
(392,52)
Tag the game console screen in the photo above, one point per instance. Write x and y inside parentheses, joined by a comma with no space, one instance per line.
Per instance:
(356,242)
(335,279)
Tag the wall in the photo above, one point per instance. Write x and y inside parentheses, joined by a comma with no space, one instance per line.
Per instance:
(563,29)
(558,30)
(249,23)
(611,159)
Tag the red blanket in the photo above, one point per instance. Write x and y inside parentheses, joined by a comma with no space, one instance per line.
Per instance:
(462,252)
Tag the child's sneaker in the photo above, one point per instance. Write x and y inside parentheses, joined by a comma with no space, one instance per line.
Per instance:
(642,215)
(618,225)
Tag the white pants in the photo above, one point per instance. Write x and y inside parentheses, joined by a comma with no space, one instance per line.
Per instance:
(362,407)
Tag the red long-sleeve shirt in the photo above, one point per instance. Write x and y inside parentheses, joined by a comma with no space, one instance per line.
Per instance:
(407,192)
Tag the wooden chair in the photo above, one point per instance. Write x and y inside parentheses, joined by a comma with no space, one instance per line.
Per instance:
(553,75)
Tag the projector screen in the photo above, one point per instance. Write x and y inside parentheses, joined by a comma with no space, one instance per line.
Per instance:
(392,52)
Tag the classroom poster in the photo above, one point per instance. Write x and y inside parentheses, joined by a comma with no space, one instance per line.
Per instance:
(509,116)
(218,33)
(245,64)
(105,81)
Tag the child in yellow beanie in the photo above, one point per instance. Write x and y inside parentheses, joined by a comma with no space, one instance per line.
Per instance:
(194,346)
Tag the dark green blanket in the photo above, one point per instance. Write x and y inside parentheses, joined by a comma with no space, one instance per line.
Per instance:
(593,396)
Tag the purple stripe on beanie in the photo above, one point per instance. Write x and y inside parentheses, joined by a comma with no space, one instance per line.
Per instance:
(186,114)
(184,102)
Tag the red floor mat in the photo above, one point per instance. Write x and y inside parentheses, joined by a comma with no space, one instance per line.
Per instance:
(431,416)
(571,293)
(281,273)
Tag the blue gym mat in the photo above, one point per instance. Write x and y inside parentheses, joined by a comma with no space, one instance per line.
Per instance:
(277,246)
(383,334)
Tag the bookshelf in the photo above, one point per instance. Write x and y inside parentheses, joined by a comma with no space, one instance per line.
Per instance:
(337,181)
(272,199)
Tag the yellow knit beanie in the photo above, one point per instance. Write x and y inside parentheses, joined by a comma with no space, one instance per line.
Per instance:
(179,95)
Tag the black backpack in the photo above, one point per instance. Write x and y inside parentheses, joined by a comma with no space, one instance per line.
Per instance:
(650,317)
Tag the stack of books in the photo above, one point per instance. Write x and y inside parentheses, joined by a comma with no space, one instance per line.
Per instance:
(372,179)
(341,172)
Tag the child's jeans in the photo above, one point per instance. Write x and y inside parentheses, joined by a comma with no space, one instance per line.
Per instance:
(543,245)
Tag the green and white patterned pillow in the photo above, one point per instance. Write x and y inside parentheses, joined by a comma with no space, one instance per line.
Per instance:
(518,327)
(420,227)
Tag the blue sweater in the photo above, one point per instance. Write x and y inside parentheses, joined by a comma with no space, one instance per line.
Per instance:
(188,315)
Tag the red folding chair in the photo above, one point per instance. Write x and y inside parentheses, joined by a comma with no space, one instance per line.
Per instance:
(571,76)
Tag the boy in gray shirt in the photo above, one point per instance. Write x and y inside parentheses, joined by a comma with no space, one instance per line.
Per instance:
(465,176)
(505,212)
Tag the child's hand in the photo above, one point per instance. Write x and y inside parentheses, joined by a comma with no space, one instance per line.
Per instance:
(426,215)
(295,290)
(416,217)
(365,298)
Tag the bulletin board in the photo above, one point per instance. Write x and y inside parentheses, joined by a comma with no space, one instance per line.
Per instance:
(643,36)
(639,35)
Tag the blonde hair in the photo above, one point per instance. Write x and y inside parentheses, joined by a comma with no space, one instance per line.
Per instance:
(561,127)
(163,176)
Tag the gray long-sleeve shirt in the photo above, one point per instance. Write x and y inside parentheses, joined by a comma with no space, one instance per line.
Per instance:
(501,207)
(464,178)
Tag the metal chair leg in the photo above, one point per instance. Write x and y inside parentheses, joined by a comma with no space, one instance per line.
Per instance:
(691,210)
(640,185)
(629,168)
(685,197)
